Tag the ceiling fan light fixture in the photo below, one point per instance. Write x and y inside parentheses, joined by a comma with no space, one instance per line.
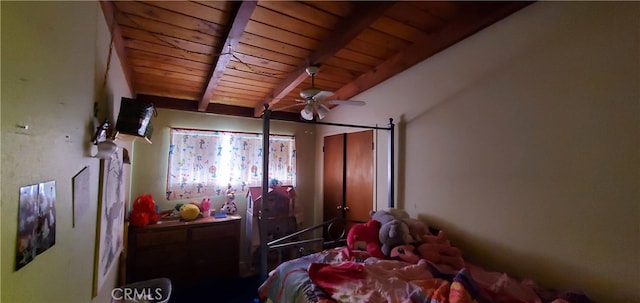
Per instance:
(322,111)
(307,112)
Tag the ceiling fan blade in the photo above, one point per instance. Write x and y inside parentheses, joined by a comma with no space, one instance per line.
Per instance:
(347,102)
(289,106)
(322,95)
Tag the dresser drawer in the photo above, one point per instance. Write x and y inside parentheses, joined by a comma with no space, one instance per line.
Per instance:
(226,249)
(162,256)
(231,229)
(184,251)
(164,237)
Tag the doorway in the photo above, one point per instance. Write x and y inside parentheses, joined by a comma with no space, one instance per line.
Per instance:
(347,181)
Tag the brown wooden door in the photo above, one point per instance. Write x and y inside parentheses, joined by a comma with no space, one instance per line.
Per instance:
(333,181)
(347,179)
(359,178)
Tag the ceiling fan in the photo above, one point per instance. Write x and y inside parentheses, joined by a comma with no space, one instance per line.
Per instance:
(314,99)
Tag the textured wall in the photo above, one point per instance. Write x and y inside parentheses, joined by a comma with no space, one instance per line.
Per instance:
(52,71)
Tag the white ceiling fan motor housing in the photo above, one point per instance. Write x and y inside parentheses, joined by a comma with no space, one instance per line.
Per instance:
(312,70)
(309,93)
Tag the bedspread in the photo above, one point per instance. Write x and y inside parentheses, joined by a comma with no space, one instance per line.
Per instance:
(340,275)
(290,281)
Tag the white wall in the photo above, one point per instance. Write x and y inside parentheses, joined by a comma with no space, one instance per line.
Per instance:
(522,142)
(52,72)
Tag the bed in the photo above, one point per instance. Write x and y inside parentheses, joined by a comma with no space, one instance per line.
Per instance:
(349,274)
(266,244)
(344,275)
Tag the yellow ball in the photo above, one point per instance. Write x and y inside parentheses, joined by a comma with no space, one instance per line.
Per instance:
(189,212)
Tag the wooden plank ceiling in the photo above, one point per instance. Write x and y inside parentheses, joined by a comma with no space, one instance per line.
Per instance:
(233,57)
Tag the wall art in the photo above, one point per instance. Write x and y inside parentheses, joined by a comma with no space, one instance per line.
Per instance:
(110,219)
(81,190)
(36,221)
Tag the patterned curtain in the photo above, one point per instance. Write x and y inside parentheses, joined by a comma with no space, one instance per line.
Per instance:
(204,163)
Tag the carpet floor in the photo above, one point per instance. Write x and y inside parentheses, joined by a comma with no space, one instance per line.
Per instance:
(231,290)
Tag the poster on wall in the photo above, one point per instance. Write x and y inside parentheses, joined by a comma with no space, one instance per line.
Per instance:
(80,194)
(110,219)
(36,221)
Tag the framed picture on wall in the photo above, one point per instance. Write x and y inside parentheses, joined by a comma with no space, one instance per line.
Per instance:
(81,188)
(36,221)
(110,219)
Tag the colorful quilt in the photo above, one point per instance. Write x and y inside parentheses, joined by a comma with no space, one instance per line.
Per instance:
(340,275)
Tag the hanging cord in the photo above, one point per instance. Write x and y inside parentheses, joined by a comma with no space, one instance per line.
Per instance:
(103,89)
(257,71)
(104,129)
(178,47)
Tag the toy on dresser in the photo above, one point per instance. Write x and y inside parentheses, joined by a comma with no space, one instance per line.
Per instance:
(229,206)
(144,211)
(205,207)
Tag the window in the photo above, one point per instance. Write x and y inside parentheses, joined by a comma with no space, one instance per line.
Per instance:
(203,163)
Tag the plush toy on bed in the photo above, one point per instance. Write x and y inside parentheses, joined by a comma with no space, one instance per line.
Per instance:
(392,234)
(435,249)
(394,230)
(417,228)
(364,236)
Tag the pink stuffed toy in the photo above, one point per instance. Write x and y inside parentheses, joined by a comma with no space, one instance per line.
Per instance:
(435,249)
(418,229)
(441,254)
(405,253)
(364,236)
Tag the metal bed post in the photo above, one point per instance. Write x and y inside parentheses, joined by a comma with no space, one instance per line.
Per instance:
(391,166)
(262,224)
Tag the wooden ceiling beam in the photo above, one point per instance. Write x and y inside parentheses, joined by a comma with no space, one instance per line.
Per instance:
(239,21)
(465,25)
(108,10)
(362,16)
(212,108)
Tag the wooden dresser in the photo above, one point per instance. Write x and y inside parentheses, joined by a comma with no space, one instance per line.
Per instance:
(184,251)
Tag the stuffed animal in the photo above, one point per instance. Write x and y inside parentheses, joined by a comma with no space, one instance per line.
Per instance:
(415,229)
(143,211)
(229,206)
(394,230)
(445,256)
(205,207)
(392,234)
(436,250)
(189,211)
(440,238)
(441,254)
(418,229)
(364,236)
(405,252)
